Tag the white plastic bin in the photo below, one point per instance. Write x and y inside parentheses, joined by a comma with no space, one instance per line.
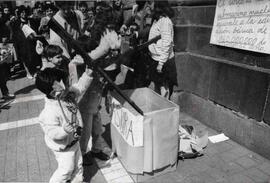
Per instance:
(146,145)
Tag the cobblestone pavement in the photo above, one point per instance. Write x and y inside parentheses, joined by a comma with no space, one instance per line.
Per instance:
(24,156)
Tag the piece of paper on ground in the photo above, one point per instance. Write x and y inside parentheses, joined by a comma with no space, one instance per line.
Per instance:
(218,138)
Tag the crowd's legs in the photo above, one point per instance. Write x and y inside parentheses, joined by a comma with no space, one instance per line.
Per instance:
(4,73)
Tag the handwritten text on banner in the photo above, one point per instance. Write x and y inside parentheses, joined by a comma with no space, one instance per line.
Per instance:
(127,124)
(242,24)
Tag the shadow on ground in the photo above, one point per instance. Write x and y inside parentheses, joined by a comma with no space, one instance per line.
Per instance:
(90,171)
(107,134)
(5,104)
(25,90)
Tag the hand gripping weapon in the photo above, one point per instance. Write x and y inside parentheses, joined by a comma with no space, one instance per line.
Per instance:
(122,58)
(57,28)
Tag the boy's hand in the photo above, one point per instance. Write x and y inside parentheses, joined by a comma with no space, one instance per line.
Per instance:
(77,60)
(88,71)
(68,128)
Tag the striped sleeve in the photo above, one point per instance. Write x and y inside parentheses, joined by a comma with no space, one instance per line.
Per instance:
(166,32)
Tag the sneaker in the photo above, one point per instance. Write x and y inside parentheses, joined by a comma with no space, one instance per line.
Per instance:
(87,159)
(8,96)
(100,155)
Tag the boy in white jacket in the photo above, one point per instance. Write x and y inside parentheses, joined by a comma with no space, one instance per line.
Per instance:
(61,122)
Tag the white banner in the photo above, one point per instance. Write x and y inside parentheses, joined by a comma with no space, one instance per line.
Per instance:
(242,24)
(127,124)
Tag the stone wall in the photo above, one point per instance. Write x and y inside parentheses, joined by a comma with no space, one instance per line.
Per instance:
(225,88)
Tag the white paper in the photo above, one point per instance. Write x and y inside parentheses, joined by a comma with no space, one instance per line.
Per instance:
(242,24)
(27,30)
(218,138)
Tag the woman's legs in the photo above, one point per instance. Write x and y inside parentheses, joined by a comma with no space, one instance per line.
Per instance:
(163,89)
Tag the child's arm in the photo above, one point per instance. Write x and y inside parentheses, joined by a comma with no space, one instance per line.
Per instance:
(110,40)
(73,69)
(84,82)
(55,132)
(51,127)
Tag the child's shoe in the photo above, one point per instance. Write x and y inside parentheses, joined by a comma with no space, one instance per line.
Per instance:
(87,159)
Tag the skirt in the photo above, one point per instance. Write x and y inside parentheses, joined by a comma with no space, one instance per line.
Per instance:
(168,75)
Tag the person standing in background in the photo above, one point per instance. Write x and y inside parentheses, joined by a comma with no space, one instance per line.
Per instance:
(70,21)
(4,74)
(163,68)
(82,12)
(90,103)
(24,37)
(4,31)
(49,12)
(90,21)
(36,16)
(128,6)
(117,7)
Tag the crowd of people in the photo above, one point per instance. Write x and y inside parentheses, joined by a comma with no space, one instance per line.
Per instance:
(71,116)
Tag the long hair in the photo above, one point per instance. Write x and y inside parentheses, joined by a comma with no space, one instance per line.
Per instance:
(162,8)
(21,9)
(140,4)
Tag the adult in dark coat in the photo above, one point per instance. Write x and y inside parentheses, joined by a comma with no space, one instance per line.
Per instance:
(28,56)
(4,33)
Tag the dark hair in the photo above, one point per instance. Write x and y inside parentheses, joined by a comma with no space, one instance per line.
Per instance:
(38,4)
(83,4)
(162,8)
(105,16)
(140,4)
(100,3)
(21,9)
(49,6)
(52,50)
(91,9)
(46,78)
(59,4)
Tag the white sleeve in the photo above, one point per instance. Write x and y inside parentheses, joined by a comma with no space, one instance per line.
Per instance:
(166,32)
(81,86)
(51,126)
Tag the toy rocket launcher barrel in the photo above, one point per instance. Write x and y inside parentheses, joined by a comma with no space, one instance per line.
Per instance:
(58,29)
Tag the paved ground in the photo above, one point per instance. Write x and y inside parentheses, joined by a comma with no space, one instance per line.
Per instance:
(24,156)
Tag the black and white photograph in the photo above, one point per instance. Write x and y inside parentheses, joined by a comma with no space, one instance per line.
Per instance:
(135,91)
